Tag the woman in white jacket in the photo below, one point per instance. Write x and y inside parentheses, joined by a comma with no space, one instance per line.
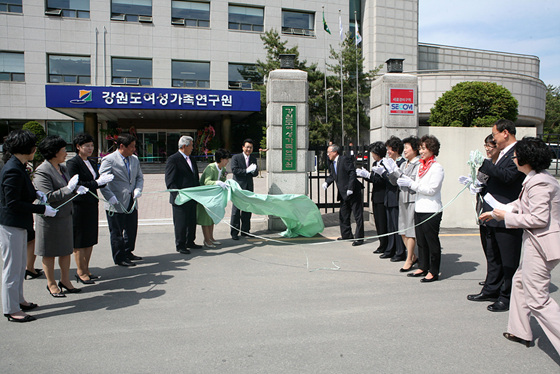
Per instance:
(427,209)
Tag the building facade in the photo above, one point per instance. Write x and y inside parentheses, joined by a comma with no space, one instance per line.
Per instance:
(202,54)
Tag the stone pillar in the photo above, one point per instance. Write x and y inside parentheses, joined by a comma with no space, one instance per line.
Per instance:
(385,118)
(226,131)
(287,119)
(91,127)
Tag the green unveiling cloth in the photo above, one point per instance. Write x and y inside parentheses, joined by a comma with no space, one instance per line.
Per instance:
(300,215)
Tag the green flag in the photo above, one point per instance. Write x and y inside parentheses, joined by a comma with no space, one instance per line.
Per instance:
(325,26)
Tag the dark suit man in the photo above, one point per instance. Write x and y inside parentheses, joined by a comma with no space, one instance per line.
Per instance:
(120,193)
(343,171)
(503,245)
(181,172)
(244,169)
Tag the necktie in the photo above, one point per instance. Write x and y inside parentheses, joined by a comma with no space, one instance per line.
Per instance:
(335,171)
(247,161)
(127,163)
(189,162)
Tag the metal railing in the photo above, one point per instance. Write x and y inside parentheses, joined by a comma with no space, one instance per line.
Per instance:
(553,141)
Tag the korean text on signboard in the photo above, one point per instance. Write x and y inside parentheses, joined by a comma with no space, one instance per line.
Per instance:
(289,138)
(150,98)
(401,101)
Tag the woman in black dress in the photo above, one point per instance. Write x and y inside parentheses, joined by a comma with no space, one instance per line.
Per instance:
(85,217)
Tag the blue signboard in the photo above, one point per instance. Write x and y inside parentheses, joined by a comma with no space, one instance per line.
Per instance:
(95,97)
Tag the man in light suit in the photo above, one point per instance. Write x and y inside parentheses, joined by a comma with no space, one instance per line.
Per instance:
(121,193)
(244,168)
(503,244)
(181,172)
(537,211)
(343,171)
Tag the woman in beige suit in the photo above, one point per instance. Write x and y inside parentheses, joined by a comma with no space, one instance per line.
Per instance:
(537,211)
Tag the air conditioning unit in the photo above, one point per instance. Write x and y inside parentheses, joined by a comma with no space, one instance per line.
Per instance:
(118,17)
(53,12)
(145,19)
(132,81)
(178,21)
(234,85)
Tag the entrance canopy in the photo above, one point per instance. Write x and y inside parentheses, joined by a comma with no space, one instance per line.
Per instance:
(113,103)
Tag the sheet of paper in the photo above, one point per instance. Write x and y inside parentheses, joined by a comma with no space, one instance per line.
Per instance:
(495,204)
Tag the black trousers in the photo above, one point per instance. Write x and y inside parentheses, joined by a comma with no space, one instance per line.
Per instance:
(395,245)
(240,219)
(354,204)
(184,223)
(503,252)
(427,239)
(380,218)
(123,229)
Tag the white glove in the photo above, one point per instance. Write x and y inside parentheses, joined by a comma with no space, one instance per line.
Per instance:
(82,190)
(378,169)
(73,182)
(113,200)
(104,179)
(325,186)
(137,193)
(404,181)
(474,190)
(225,186)
(50,211)
(41,197)
(349,192)
(390,164)
(363,173)
(251,168)
(463,179)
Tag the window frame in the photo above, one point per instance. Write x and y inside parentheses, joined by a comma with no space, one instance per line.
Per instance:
(13,75)
(299,31)
(131,80)
(244,84)
(189,22)
(198,83)
(247,27)
(9,5)
(67,12)
(76,127)
(64,80)
(132,16)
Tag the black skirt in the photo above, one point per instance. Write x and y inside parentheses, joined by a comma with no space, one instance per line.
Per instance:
(85,218)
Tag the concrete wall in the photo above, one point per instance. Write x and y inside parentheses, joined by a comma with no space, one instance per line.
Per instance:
(456,145)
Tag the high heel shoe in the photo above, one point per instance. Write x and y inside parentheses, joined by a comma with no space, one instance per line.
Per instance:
(216,242)
(30,275)
(80,280)
(70,290)
(56,294)
(93,277)
(209,245)
(27,318)
(28,307)
(514,338)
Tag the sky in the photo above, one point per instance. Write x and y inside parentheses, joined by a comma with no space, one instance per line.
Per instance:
(530,27)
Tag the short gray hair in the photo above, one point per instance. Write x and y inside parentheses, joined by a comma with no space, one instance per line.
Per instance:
(185,140)
(334,148)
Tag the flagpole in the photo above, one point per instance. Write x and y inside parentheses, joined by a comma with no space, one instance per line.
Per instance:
(341,83)
(325,49)
(357,86)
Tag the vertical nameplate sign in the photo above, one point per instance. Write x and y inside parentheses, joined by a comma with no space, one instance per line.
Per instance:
(289,138)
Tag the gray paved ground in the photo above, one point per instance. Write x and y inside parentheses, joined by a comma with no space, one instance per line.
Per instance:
(257,307)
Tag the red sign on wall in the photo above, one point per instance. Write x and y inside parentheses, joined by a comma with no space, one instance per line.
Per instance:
(402,101)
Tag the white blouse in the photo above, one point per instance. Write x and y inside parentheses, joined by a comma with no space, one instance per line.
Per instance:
(428,190)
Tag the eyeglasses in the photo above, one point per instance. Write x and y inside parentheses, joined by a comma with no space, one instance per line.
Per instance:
(486,146)
(513,157)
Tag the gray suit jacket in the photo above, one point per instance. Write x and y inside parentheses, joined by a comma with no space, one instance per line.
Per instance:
(48,180)
(122,186)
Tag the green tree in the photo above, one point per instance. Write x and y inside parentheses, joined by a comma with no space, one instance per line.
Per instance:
(352,61)
(470,104)
(552,113)
(37,129)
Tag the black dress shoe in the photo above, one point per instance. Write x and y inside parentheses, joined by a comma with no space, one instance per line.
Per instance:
(184,251)
(498,306)
(31,275)
(415,275)
(385,255)
(91,276)
(482,297)
(514,338)
(356,243)
(125,263)
(193,246)
(27,318)
(379,250)
(429,280)
(84,281)
(483,283)
(245,234)
(397,258)
(28,307)
(69,290)
(132,257)
(236,237)
(403,270)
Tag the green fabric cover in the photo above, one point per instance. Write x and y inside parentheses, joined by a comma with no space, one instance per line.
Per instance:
(300,215)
